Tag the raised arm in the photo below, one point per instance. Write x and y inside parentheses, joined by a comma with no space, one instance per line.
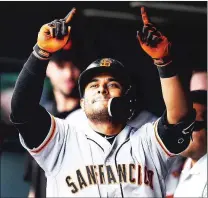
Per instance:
(32,120)
(158,47)
(178,106)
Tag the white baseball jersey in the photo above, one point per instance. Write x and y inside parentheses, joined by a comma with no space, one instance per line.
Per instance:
(81,163)
(193,180)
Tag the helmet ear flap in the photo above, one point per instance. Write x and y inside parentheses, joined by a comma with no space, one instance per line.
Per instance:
(123,108)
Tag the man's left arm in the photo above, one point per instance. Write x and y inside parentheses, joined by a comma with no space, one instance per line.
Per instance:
(176,125)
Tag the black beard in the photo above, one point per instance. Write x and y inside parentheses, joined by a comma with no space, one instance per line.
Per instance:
(99,116)
(102,116)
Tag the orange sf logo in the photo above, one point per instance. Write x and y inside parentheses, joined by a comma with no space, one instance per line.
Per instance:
(105,62)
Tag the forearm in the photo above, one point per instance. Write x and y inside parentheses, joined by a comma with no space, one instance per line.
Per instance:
(28,89)
(176,124)
(177,103)
(27,115)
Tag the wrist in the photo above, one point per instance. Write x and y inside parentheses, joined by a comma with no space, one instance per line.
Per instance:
(162,62)
(167,70)
(40,53)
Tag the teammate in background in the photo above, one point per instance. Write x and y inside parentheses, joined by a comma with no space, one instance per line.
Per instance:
(127,162)
(63,71)
(193,178)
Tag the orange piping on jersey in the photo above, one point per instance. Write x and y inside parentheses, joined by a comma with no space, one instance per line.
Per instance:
(52,132)
(169,196)
(159,140)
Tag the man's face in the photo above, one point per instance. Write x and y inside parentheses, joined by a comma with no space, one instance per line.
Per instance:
(198,147)
(63,76)
(97,94)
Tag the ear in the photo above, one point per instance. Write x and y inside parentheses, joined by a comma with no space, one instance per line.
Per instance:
(48,70)
(82,103)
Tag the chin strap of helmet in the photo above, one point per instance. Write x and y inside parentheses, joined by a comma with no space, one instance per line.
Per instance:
(123,108)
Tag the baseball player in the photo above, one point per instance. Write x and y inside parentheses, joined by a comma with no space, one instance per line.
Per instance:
(188,177)
(108,158)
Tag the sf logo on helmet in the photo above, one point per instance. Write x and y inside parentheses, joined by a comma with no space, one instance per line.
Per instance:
(105,62)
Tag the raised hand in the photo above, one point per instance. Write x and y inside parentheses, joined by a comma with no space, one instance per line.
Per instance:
(152,41)
(54,36)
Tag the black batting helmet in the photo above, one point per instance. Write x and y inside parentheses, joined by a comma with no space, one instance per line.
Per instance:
(108,65)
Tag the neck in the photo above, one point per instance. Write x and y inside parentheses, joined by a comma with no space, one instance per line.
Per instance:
(193,161)
(65,103)
(107,128)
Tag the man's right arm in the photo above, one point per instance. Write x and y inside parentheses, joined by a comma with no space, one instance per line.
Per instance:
(32,121)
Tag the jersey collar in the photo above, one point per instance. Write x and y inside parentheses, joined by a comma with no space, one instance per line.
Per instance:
(107,147)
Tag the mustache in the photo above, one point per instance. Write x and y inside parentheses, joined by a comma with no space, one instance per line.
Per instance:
(100,98)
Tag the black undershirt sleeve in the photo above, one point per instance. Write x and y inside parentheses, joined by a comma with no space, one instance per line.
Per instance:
(31,120)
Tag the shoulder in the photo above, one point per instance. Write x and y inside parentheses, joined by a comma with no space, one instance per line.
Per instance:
(77,119)
(62,124)
(144,130)
(142,118)
(77,114)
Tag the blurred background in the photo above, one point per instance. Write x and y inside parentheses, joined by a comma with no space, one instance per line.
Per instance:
(99,29)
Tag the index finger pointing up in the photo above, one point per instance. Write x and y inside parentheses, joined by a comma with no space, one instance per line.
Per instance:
(145,18)
(69,16)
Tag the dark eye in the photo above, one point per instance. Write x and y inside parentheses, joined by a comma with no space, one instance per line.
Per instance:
(93,85)
(113,85)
